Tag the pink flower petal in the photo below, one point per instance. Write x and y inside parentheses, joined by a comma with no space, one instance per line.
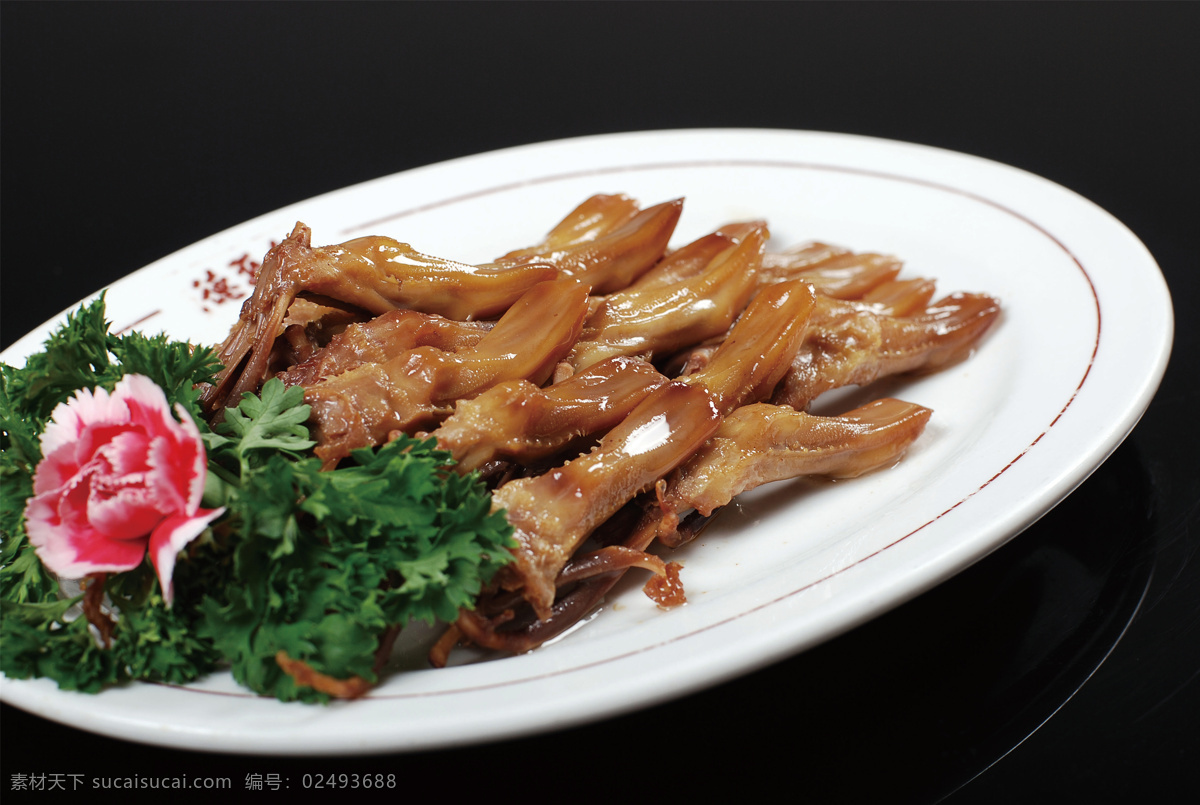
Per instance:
(73,553)
(125,451)
(127,513)
(199,467)
(171,465)
(119,474)
(95,436)
(148,406)
(169,538)
(72,506)
(177,451)
(56,469)
(69,419)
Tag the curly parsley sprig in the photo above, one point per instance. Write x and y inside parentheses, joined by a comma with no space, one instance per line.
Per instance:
(40,634)
(320,566)
(325,563)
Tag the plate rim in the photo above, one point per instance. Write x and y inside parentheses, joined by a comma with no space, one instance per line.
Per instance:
(1134,410)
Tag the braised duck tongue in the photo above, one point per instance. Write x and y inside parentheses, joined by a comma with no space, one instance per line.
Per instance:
(366,405)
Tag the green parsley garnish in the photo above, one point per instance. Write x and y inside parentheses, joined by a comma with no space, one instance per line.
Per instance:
(322,566)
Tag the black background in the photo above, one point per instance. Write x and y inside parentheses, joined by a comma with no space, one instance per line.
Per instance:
(130,131)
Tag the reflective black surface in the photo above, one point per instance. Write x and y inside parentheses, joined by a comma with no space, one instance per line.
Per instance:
(1062,668)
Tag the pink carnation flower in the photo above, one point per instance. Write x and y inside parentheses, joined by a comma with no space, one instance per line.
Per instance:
(119,477)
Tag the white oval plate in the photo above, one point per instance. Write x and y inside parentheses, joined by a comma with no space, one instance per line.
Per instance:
(1073,363)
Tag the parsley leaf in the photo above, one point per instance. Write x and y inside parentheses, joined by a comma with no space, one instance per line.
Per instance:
(175,366)
(75,357)
(269,422)
(327,561)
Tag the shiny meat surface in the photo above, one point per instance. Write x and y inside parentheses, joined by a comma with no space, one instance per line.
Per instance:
(374,274)
(901,297)
(364,406)
(598,215)
(519,421)
(402,277)
(383,338)
(831,270)
(657,318)
(688,261)
(614,257)
(761,443)
(853,344)
(760,348)
(553,513)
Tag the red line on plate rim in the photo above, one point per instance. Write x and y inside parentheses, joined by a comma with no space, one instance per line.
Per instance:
(133,324)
